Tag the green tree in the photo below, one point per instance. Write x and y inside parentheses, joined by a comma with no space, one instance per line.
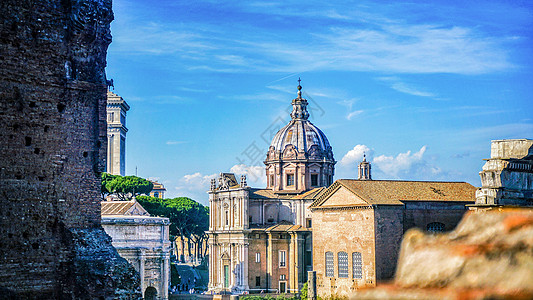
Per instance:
(189,219)
(106,178)
(125,187)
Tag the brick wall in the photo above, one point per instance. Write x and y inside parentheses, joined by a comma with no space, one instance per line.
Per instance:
(420,214)
(52,142)
(389,232)
(350,230)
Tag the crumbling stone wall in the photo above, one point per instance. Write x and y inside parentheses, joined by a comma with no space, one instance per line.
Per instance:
(53,145)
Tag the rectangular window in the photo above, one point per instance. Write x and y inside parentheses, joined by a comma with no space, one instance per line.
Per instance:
(330,260)
(308,222)
(282,277)
(257,281)
(357,265)
(257,257)
(271,180)
(290,179)
(282,258)
(314,179)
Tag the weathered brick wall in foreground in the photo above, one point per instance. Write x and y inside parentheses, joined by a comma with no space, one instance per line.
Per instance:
(52,145)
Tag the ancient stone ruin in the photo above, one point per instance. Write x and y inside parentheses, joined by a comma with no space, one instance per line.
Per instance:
(53,147)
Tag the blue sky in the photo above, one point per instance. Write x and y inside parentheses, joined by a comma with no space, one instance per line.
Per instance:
(422,86)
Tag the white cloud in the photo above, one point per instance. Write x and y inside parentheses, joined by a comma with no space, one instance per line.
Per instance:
(376,45)
(195,186)
(355,155)
(255,175)
(407,166)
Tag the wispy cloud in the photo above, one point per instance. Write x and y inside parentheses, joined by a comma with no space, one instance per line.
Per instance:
(175,142)
(372,45)
(349,105)
(400,86)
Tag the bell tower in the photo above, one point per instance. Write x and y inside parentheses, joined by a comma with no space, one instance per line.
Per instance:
(364,169)
(116,134)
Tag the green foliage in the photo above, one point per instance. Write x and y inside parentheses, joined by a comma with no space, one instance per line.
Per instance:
(303,292)
(187,216)
(126,186)
(106,178)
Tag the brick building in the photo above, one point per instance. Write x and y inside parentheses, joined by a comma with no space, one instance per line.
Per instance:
(358,225)
(259,239)
(53,147)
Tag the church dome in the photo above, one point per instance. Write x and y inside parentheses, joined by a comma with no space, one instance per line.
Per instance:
(303,135)
(299,157)
(300,135)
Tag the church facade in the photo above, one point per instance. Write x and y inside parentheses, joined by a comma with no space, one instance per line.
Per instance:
(260,239)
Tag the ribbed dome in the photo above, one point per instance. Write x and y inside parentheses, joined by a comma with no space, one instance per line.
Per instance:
(302,134)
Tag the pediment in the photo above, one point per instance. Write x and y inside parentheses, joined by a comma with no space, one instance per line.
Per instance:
(289,165)
(343,197)
(136,210)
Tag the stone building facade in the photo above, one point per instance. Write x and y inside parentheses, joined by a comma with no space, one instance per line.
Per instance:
(143,241)
(116,134)
(507,176)
(53,148)
(158,191)
(358,226)
(260,239)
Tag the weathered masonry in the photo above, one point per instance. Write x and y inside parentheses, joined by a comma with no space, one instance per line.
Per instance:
(53,144)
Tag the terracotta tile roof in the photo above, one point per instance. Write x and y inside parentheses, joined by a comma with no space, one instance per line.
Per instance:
(312,194)
(282,226)
(262,194)
(395,192)
(122,208)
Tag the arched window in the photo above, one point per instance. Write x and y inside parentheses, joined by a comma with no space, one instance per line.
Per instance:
(435,227)
(343,264)
(357,265)
(329,264)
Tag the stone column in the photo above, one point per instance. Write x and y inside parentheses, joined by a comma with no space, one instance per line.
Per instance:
(166,273)
(141,270)
(270,255)
(293,271)
(245,266)
(311,285)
